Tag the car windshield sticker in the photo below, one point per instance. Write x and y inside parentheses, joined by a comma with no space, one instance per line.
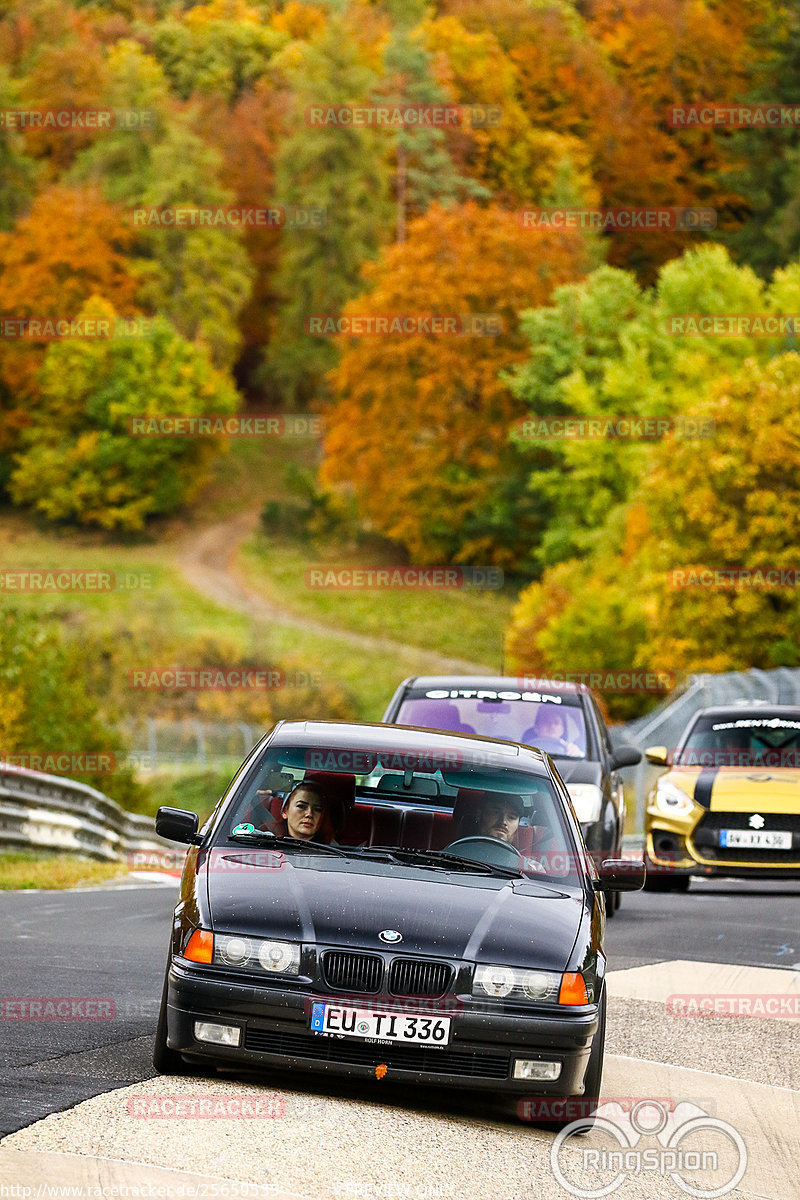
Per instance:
(490,694)
(245,827)
(757,723)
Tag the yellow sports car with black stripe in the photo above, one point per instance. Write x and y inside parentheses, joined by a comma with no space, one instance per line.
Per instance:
(730,802)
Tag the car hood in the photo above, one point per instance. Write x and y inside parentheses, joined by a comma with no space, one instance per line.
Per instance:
(740,789)
(336,903)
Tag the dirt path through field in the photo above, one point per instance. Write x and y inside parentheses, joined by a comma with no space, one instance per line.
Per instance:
(208,561)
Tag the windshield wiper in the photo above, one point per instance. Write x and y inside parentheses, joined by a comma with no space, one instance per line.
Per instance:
(438,858)
(261,837)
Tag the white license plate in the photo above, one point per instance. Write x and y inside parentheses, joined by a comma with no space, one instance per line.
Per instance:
(755,839)
(334,1019)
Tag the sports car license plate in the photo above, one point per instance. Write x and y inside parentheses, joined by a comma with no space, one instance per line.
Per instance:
(755,839)
(333,1019)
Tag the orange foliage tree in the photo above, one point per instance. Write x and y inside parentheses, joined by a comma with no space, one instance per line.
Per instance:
(418,429)
(70,246)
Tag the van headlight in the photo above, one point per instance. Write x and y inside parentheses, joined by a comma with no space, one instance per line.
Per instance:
(587,800)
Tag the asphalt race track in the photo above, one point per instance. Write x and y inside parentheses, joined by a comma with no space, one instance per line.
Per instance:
(110,943)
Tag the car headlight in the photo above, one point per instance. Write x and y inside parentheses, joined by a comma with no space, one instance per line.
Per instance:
(671,800)
(253,954)
(587,800)
(516,984)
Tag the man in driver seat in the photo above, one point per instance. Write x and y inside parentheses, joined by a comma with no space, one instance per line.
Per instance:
(499,817)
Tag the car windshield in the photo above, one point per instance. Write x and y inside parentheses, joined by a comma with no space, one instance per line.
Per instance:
(551,721)
(445,811)
(743,739)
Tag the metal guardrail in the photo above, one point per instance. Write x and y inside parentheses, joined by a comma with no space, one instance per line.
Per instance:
(49,812)
(664,725)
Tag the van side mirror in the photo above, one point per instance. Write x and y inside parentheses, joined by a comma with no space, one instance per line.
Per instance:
(625,756)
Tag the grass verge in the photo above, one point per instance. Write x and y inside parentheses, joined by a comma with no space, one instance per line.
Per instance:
(21,869)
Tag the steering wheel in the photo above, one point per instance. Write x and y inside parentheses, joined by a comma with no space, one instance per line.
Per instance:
(548,744)
(492,851)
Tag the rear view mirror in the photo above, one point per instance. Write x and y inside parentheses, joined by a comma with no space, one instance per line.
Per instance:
(178,825)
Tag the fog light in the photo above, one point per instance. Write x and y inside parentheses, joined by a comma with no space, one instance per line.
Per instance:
(534,1068)
(220,1035)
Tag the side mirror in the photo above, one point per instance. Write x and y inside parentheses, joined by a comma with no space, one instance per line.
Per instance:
(178,825)
(657,755)
(620,875)
(625,756)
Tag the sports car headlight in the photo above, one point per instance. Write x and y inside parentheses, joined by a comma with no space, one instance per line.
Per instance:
(253,954)
(587,800)
(671,800)
(513,983)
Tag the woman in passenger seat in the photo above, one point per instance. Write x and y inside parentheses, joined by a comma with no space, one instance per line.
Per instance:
(304,812)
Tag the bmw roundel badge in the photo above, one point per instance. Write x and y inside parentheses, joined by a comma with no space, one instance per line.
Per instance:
(391,936)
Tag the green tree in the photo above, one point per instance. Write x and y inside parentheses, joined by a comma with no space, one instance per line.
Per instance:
(343,171)
(768,158)
(222,48)
(424,168)
(198,277)
(17,170)
(607,349)
(47,703)
(79,461)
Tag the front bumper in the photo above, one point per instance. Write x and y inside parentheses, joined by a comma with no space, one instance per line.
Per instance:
(672,850)
(275,1033)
